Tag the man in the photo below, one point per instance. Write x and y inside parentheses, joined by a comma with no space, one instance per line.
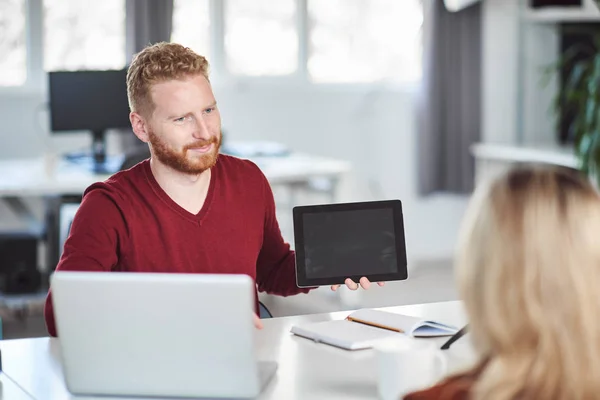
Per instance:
(188,208)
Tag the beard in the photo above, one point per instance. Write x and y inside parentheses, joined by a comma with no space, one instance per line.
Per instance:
(179,160)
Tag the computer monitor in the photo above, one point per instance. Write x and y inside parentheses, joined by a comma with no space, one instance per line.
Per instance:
(93,101)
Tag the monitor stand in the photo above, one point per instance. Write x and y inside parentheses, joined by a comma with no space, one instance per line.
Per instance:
(97,161)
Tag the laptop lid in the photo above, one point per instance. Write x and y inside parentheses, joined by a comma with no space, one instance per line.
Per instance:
(156,334)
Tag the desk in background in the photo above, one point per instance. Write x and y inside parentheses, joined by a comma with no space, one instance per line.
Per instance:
(59,182)
(307,370)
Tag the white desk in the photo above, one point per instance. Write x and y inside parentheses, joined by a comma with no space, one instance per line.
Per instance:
(54,180)
(40,177)
(10,391)
(306,371)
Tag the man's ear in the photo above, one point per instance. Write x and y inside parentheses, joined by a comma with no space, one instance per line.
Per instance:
(139,126)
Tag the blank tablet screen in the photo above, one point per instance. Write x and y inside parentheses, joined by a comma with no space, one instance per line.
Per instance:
(347,242)
(365,239)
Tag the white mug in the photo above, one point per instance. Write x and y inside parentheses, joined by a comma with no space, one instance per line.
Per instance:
(406,365)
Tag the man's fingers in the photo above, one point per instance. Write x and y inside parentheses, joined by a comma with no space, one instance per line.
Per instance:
(365,283)
(257,322)
(351,284)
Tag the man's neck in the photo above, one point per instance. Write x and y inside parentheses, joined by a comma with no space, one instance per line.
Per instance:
(187,190)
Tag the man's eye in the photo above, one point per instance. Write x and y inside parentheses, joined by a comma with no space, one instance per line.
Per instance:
(181,119)
(209,110)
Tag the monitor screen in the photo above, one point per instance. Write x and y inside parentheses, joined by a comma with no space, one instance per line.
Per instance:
(88,100)
(346,243)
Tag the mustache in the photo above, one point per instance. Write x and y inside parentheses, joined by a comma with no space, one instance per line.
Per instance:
(201,143)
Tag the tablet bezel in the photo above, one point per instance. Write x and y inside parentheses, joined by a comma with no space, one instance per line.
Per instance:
(303,281)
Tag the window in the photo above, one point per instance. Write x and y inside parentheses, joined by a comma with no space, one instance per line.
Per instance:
(191,25)
(261,37)
(84,34)
(323,41)
(364,40)
(13,63)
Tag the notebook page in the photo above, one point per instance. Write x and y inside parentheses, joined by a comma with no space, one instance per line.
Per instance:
(402,323)
(342,333)
(433,331)
(411,326)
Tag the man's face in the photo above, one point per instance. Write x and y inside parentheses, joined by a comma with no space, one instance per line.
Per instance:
(184,130)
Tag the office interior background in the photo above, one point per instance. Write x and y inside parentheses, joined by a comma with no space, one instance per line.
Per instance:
(422,99)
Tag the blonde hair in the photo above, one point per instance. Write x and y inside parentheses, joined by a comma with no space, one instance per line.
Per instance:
(159,63)
(528,269)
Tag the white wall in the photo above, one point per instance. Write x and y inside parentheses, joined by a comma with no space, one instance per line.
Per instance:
(24,128)
(375,130)
(500,63)
(516,105)
(20,133)
(541,47)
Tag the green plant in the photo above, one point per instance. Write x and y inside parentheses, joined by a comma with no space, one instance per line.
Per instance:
(578,97)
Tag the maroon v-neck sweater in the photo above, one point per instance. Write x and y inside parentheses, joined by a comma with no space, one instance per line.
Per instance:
(128,223)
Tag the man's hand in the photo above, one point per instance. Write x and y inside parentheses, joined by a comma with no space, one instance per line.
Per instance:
(257,322)
(364,282)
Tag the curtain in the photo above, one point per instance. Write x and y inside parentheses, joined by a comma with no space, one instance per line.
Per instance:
(147,22)
(449,110)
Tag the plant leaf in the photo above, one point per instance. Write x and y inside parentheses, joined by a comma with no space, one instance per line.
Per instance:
(575,81)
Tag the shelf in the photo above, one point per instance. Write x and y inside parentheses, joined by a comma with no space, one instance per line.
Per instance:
(508,153)
(588,12)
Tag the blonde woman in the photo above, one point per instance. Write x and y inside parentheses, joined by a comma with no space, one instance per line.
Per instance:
(528,269)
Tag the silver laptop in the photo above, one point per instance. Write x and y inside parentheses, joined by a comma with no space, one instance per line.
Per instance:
(158,334)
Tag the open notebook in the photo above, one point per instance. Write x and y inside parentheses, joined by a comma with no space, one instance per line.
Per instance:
(363,328)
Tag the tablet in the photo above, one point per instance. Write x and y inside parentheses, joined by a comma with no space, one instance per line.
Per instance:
(349,240)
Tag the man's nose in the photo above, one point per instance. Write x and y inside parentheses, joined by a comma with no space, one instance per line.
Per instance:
(201,130)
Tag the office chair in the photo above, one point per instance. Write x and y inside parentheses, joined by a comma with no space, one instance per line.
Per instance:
(134,156)
(264,311)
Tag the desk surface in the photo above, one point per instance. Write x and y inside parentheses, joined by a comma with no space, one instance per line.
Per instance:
(10,391)
(43,177)
(307,370)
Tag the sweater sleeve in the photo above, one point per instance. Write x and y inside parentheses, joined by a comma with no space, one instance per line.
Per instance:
(276,267)
(92,242)
(445,391)
(456,387)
